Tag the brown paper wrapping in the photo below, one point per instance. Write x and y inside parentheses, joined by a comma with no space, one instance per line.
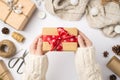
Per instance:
(114,65)
(7,74)
(67,46)
(17,21)
(3,11)
(15,1)
(104,2)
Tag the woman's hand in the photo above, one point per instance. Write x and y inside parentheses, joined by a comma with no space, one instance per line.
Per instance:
(83,40)
(36,47)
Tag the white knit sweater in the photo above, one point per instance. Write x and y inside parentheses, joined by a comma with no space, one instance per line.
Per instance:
(35,68)
(86,66)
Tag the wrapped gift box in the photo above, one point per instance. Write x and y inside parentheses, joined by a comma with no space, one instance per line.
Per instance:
(17,21)
(4,73)
(66,44)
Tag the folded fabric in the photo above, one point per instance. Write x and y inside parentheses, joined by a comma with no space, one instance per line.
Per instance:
(66,9)
(106,16)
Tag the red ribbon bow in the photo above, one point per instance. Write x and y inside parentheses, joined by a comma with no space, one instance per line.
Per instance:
(56,40)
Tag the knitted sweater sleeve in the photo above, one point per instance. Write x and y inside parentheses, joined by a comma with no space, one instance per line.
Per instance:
(35,67)
(86,65)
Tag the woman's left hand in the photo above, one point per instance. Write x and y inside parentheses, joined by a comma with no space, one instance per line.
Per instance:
(83,40)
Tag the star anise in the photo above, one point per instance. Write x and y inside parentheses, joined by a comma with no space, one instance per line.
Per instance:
(116,49)
(105,54)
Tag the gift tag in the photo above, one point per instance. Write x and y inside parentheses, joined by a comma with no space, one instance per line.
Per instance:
(74,2)
(42,15)
(94,11)
(117,29)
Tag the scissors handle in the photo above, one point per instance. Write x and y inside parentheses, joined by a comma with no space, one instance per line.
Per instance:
(18,70)
(12,66)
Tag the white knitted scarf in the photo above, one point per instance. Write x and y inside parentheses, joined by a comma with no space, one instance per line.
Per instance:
(66,9)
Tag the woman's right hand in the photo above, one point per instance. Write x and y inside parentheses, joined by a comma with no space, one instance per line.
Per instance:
(36,47)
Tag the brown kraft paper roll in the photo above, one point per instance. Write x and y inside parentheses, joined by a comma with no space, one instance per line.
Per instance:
(114,65)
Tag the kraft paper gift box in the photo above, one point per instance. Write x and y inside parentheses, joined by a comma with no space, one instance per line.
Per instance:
(4,73)
(17,21)
(114,65)
(66,46)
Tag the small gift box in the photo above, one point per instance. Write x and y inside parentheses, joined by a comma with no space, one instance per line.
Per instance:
(4,73)
(114,65)
(16,13)
(60,39)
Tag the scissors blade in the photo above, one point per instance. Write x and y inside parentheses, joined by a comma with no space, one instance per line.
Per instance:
(25,54)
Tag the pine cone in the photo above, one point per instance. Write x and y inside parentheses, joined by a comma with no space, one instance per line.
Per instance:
(5,30)
(116,49)
(113,77)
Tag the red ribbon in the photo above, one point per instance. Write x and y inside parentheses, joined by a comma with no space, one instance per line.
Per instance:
(56,40)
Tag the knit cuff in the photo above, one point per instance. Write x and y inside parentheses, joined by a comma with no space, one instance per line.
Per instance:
(85,56)
(35,67)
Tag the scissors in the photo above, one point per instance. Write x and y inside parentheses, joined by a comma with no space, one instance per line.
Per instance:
(16,60)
